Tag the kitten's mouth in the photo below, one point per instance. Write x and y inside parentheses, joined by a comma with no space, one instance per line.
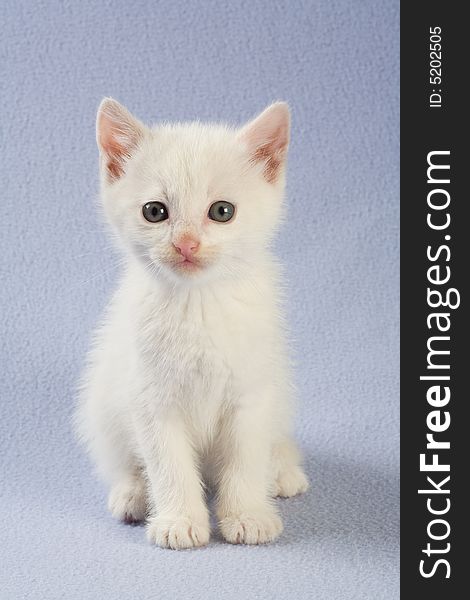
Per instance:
(187,264)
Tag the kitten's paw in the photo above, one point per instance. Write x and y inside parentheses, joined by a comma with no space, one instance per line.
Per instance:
(252,527)
(290,483)
(128,502)
(178,532)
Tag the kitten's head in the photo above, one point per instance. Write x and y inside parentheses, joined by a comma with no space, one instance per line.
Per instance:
(193,201)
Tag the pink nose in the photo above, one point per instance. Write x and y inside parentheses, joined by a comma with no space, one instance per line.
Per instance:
(187,246)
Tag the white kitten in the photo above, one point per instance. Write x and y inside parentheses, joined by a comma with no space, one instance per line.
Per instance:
(188,381)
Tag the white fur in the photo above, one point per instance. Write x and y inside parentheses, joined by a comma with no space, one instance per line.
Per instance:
(188,382)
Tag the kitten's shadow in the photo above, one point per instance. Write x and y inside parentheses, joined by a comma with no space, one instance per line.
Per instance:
(346,500)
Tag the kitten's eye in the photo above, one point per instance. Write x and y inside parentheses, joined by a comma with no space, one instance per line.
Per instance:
(155,212)
(221,211)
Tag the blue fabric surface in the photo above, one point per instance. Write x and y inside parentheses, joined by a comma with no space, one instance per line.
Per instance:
(336,62)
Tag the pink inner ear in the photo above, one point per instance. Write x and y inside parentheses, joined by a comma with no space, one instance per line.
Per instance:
(268,139)
(118,134)
(273,154)
(115,153)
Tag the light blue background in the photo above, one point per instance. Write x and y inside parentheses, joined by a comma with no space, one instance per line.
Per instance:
(336,62)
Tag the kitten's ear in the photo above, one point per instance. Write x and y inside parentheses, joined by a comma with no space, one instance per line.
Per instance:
(267,138)
(118,134)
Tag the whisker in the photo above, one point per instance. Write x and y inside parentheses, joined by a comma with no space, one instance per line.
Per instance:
(99,274)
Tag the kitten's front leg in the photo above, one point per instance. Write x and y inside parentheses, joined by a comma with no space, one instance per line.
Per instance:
(245,511)
(179,517)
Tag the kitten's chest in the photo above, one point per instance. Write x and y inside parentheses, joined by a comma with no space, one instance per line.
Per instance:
(186,346)
(205,340)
